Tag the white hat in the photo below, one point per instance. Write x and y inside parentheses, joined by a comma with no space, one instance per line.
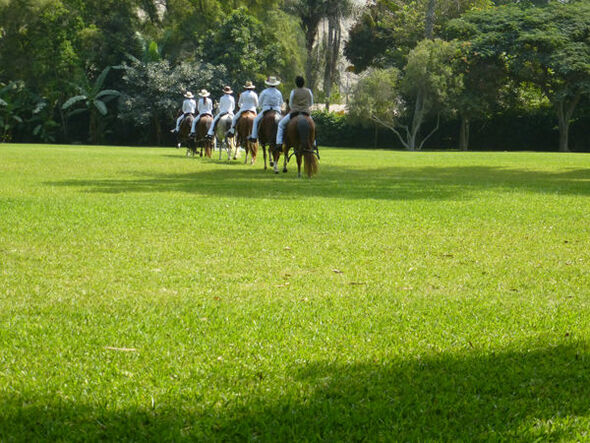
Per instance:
(227,90)
(249,85)
(204,93)
(272,81)
(189,94)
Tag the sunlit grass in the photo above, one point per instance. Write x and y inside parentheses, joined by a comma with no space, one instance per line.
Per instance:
(395,296)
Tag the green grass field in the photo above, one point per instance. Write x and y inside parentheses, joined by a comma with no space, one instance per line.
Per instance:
(395,296)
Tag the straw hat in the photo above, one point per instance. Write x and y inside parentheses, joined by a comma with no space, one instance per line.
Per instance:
(227,90)
(189,94)
(204,93)
(272,81)
(249,85)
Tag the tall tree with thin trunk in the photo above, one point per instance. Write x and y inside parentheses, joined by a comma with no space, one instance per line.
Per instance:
(336,12)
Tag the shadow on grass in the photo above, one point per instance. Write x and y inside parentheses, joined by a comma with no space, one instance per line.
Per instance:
(507,396)
(402,183)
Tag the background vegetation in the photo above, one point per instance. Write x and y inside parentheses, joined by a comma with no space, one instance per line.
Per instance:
(459,70)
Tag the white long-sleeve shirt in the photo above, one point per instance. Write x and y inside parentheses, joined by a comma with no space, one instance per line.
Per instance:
(270,98)
(227,103)
(189,105)
(248,101)
(205,107)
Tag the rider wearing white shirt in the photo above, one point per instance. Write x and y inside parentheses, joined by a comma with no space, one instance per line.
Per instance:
(188,107)
(270,99)
(205,106)
(248,102)
(227,104)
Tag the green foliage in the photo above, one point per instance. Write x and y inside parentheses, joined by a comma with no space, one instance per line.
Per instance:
(94,99)
(376,98)
(388,30)
(429,72)
(547,47)
(245,46)
(404,101)
(24,115)
(153,92)
(38,45)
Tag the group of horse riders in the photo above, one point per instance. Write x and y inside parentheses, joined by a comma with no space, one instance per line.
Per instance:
(300,101)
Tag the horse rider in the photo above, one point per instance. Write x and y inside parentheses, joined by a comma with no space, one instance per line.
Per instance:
(188,107)
(205,106)
(227,104)
(270,99)
(248,101)
(300,102)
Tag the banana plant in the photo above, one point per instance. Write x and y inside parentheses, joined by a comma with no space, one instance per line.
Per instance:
(93,99)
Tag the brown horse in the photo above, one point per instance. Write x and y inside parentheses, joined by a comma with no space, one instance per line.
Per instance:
(201,140)
(222,140)
(267,136)
(300,135)
(182,138)
(244,129)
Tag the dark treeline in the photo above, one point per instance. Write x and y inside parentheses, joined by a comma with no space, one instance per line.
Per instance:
(482,74)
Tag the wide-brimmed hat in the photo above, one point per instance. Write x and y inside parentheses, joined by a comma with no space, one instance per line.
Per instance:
(249,85)
(189,94)
(204,93)
(272,81)
(227,90)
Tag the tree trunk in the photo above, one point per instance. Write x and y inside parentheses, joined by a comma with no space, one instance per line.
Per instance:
(93,128)
(564,115)
(430,16)
(332,40)
(157,129)
(376,136)
(416,121)
(464,133)
(310,35)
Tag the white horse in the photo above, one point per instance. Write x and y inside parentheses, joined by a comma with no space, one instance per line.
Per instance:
(222,141)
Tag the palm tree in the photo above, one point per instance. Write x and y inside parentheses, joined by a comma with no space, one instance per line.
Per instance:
(94,100)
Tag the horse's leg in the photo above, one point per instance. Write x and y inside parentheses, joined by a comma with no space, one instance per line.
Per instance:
(246,157)
(264,155)
(275,156)
(299,158)
(286,155)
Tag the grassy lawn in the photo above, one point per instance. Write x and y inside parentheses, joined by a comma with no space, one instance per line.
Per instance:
(395,296)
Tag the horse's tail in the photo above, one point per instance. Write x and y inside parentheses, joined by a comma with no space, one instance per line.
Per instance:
(306,132)
(253,149)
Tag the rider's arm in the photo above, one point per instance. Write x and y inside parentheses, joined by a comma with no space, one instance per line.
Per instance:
(261,99)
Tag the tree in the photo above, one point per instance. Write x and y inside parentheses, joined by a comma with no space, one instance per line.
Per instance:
(485,87)
(402,103)
(546,46)
(388,30)
(152,91)
(24,115)
(248,48)
(311,13)
(37,45)
(336,11)
(94,100)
